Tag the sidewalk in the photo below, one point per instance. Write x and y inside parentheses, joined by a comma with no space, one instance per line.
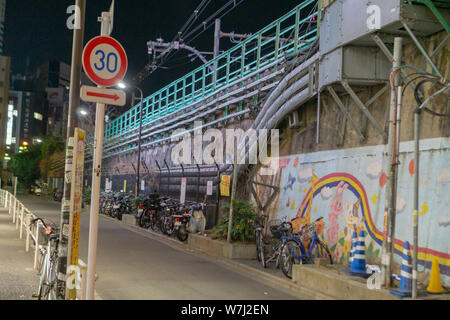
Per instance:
(18,280)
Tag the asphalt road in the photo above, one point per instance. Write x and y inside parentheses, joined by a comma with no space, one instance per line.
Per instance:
(131,266)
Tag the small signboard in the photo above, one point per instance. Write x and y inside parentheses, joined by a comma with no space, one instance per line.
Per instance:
(102,95)
(183,190)
(209,188)
(225,185)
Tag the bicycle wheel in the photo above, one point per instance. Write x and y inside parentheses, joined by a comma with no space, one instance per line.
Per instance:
(145,221)
(290,255)
(262,249)
(258,245)
(321,250)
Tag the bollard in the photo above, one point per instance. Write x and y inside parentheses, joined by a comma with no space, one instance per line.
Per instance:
(36,249)
(14,210)
(28,224)
(17,210)
(21,222)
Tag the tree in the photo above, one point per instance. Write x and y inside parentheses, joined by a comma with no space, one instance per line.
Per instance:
(25,165)
(50,146)
(35,162)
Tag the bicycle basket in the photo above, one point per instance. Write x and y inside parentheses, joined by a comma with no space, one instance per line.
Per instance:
(276,228)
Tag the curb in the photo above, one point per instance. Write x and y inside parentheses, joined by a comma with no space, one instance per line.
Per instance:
(250,272)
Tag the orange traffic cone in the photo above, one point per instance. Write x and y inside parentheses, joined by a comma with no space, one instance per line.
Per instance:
(435,285)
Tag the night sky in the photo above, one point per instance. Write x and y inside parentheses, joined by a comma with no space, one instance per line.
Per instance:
(37,29)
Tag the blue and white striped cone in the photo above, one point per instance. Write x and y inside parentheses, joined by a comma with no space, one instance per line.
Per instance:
(358,266)
(352,250)
(405,288)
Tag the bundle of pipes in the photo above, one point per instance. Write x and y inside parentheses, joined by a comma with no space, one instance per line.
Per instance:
(279,104)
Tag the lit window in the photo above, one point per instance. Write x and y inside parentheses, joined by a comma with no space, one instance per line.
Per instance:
(38,116)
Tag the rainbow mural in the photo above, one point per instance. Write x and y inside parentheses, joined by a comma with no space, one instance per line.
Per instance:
(347,187)
(332,180)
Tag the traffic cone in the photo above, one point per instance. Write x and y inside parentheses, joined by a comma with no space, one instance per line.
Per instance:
(405,288)
(435,285)
(352,249)
(358,266)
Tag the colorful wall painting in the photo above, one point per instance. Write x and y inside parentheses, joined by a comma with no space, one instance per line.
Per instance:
(347,188)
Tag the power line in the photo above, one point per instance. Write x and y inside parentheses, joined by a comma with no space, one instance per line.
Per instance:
(159,61)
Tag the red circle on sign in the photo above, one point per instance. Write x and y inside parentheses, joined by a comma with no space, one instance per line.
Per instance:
(91,45)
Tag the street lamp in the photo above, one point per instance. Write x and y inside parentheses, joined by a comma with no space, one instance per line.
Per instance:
(122,85)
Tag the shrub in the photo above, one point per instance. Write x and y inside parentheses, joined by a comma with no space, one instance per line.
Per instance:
(243,218)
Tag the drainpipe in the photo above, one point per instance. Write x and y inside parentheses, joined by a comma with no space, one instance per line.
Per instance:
(198,181)
(416,200)
(168,177)
(159,168)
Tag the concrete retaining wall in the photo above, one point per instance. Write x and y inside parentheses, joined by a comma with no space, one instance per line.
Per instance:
(336,284)
(221,248)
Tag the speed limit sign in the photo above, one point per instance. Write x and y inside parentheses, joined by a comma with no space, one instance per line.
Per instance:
(105,61)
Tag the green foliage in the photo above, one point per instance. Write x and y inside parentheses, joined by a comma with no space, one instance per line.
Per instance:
(25,165)
(87,195)
(51,145)
(243,219)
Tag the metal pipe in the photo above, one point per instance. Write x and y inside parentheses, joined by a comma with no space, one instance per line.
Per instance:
(139,142)
(198,182)
(416,201)
(168,178)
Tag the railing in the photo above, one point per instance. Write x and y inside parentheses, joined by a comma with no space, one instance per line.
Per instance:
(293,32)
(22,218)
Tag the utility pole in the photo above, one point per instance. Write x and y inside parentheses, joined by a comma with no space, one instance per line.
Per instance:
(233,193)
(217,38)
(387,257)
(74,102)
(106,28)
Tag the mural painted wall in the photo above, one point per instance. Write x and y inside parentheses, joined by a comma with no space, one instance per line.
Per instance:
(347,188)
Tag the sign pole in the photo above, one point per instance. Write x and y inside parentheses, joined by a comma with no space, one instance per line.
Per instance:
(75,203)
(96,176)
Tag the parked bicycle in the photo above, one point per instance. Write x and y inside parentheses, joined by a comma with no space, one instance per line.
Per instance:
(48,281)
(302,247)
(269,247)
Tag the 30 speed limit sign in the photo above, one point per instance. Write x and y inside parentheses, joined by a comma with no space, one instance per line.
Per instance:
(105,61)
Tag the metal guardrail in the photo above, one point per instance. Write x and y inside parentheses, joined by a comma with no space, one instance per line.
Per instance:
(261,49)
(22,218)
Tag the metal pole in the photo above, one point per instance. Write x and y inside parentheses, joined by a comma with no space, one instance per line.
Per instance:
(233,193)
(139,143)
(168,178)
(198,182)
(217,37)
(218,192)
(96,180)
(416,201)
(15,186)
(74,101)
(391,166)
